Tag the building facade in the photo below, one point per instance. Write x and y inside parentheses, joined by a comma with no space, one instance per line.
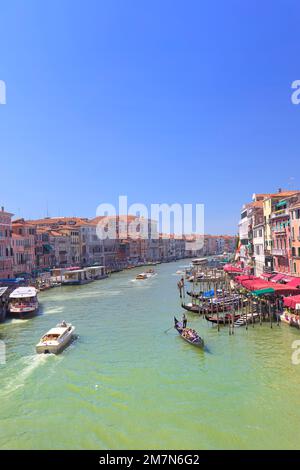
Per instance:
(6,249)
(295,235)
(27,239)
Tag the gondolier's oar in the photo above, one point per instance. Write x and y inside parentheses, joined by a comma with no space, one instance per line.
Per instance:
(169,329)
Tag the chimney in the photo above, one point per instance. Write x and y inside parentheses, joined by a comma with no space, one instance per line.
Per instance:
(2,208)
(280,190)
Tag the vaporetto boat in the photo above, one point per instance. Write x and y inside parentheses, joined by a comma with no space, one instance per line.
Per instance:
(75,277)
(23,302)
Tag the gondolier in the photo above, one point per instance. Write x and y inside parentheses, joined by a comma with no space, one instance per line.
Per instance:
(184,320)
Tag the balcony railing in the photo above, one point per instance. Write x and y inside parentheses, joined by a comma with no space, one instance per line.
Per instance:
(279,252)
(280,213)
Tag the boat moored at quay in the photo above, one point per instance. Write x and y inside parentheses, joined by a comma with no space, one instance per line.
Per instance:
(23,302)
(96,272)
(75,277)
(3,302)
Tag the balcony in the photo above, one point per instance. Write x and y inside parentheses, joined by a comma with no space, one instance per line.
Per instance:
(279,229)
(280,213)
(279,252)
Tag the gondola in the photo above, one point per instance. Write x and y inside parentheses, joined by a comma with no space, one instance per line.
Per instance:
(206,308)
(197,341)
(192,294)
(215,308)
(191,307)
(222,319)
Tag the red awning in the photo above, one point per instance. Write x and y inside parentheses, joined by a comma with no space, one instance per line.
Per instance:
(266,276)
(244,277)
(295,282)
(281,289)
(255,284)
(278,277)
(292,302)
(229,268)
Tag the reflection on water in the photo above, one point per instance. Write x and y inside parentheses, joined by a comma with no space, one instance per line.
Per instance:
(129,381)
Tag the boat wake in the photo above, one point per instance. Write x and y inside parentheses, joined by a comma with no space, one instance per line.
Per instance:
(31,363)
(91,294)
(53,310)
(17,321)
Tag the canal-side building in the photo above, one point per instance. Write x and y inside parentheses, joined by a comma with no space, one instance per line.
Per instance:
(268,240)
(61,247)
(295,235)
(6,249)
(26,232)
(114,251)
(267,243)
(281,236)
(179,247)
(95,245)
(73,233)
(18,246)
(256,237)
(44,252)
(70,227)
(245,237)
(229,243)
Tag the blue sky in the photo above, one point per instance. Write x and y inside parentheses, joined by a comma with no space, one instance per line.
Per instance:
(160,100)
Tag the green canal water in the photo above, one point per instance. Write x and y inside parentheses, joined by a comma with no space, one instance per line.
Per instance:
(126,384)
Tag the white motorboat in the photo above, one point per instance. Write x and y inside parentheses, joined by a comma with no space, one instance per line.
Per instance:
(145,275)
(141,276)
(56,339)
(23,302)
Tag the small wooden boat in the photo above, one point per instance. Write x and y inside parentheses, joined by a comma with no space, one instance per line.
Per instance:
(56,339)
(222,319)
(194,294)
(197,278)
(188,334)
(194,308)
